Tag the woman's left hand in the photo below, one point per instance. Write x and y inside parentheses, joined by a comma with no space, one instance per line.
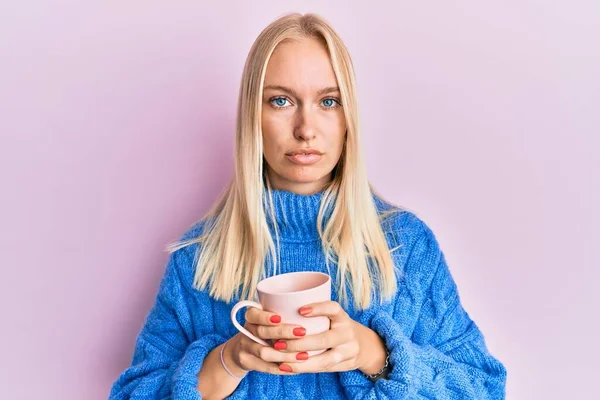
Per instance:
(352,345)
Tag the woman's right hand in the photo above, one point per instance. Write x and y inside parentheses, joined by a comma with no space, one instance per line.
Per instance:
(248,355)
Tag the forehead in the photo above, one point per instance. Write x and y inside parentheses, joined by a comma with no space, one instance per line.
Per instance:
(303,65)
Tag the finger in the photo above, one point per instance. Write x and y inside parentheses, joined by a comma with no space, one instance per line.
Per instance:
(252,363)
(321,341)
(259,317)
(331,309)
(331,360)
(276,332)
(269,354)
(251,328)
(282,331)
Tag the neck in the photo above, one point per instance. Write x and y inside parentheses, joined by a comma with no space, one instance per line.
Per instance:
(304,188)
(295,214)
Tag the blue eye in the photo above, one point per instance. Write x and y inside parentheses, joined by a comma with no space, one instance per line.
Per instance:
(330,103)
(279,102)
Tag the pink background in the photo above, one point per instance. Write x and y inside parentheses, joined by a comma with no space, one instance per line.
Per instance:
(117,131)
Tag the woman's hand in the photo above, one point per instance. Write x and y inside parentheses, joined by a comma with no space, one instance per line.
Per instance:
(352,345)
(247,355)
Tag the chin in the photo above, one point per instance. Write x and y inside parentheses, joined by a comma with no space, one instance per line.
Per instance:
(303,178)
(301,175)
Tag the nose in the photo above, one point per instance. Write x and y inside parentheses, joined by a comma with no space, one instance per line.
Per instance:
(304,129)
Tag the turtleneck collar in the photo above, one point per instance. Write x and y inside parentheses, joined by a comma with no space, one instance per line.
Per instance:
(295,215)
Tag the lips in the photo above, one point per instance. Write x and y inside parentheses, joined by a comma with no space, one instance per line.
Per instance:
(304,157)
(304,152)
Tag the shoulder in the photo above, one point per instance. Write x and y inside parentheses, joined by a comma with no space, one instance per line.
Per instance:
(184,252)
(400,220)
(415,248)
(195,230)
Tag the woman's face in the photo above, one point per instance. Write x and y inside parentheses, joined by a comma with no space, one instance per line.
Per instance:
(303,124)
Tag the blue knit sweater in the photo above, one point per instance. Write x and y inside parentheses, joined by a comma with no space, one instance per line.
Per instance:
(436,350)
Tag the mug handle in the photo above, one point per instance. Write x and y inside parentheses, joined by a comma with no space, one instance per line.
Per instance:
(234,311)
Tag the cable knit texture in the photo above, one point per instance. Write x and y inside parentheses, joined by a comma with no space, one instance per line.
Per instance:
(436,350)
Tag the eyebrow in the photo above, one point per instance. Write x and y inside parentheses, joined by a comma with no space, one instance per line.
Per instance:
(328,89)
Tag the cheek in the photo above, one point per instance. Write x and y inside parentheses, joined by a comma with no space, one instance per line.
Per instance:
(272,144)
(335,126)
(336,137)
(276,132)
(336,146)
(269,145)
(269,133)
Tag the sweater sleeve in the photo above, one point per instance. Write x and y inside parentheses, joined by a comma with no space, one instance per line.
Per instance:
(446,356)
(169,351)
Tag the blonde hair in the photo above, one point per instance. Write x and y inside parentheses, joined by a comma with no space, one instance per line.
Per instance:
(236,239)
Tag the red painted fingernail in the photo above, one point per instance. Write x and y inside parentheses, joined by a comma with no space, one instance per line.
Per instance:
(305,310)
(299,331)
(275,319)
(285,368)
(302,356)
(280,345)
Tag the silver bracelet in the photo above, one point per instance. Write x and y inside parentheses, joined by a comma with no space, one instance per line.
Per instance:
(225,366)
(376,375)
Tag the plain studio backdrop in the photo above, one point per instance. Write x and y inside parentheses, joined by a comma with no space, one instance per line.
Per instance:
(117,126)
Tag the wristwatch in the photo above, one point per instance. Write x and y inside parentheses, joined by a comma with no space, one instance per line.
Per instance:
(385,368)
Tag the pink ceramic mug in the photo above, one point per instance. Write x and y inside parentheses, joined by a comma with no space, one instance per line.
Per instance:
(285,294)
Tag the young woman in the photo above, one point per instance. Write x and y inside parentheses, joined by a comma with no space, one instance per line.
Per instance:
(300,200)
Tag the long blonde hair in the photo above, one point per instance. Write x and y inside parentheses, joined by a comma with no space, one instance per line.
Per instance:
(237,240)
